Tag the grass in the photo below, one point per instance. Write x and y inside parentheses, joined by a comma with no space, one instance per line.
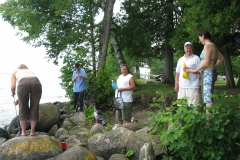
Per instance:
(168,89)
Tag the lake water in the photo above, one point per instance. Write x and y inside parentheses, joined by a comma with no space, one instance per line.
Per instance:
(51,92)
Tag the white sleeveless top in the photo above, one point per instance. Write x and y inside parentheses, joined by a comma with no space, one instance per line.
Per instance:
(123,82)
(24,73)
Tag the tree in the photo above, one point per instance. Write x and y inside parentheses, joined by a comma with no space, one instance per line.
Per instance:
(220,18)
(107,20)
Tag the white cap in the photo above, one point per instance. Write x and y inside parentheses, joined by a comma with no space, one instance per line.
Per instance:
(187,43)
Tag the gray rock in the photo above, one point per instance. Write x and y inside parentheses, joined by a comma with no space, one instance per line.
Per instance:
(80,118)
(49,116)
(118,157)
(97,128)
(53,130)
(146,152)
(99,158)
(63,117)
(61,134)
(74,141)
(104,145)
(14,126)
(132,126)
(120,140)
(4,133)
(2,140)
(76,153)
(30,147)
(92,141)
(144,130)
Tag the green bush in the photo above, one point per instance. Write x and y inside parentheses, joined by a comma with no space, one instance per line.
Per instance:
(187,133)
(89,113)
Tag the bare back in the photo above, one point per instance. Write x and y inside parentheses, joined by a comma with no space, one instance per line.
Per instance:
(210,54)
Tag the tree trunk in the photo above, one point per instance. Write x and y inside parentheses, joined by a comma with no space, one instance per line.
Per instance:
(92,39)
(168,73)
(228,69)
(107,19)
(115,45)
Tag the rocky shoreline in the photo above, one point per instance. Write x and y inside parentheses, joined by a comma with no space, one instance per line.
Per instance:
(95,143)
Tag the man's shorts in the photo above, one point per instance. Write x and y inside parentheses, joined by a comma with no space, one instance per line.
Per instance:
(192,94)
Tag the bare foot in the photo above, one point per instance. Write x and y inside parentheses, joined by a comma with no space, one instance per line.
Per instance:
(34,134)
(25,134)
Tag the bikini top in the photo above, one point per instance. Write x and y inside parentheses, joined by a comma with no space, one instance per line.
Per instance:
(202,56)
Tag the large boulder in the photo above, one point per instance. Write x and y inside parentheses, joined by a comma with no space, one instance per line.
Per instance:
(38,147)
(14,126)
(76,153)
(120,139)
(3,133)
(118,157)
(49,116)
(2,140)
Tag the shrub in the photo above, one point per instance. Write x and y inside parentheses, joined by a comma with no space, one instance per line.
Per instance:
(186,133)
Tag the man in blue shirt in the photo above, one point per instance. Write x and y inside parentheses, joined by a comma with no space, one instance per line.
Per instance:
(79,78)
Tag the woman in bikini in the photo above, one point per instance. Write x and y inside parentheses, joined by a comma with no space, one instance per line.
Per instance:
(211,59)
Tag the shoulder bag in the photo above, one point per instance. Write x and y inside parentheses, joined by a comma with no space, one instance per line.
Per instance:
(118,102)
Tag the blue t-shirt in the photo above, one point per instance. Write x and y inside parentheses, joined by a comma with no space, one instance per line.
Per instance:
(80,84)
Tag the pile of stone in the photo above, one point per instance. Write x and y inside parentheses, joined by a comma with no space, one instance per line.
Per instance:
(96,143)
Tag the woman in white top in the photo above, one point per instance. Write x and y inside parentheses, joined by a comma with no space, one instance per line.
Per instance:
(29,88)
(126,85)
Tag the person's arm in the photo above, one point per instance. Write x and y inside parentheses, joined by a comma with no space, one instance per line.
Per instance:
(75,77)
(131,87)
(16,102)
(13,83)
(84,76)
(176,88)
(220,59)
(204,63)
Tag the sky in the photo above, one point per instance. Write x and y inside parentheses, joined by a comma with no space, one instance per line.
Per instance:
(14,51)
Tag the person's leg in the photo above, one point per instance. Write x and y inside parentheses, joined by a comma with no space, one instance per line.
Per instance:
(75,98)
(207,91)
(33,126)
(194,96)
(207,88)
(35,96)
(23,90)
(81,100)
(23,124)
(127,112)
(119,117)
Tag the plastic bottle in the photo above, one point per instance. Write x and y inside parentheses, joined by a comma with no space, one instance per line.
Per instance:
(114,85)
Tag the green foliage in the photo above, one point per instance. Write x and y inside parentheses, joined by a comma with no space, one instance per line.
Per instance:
(108,127)
(69,109)
(81,57)
(89,113)
(129,153)
(71,125)
(185,130)
(101,88)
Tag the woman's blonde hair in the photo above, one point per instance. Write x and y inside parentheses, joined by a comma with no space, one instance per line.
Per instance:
(22,66)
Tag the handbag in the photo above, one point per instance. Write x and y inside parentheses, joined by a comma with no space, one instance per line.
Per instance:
(118,102)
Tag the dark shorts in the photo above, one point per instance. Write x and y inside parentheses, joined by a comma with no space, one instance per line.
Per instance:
(29,89)
(126,113)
